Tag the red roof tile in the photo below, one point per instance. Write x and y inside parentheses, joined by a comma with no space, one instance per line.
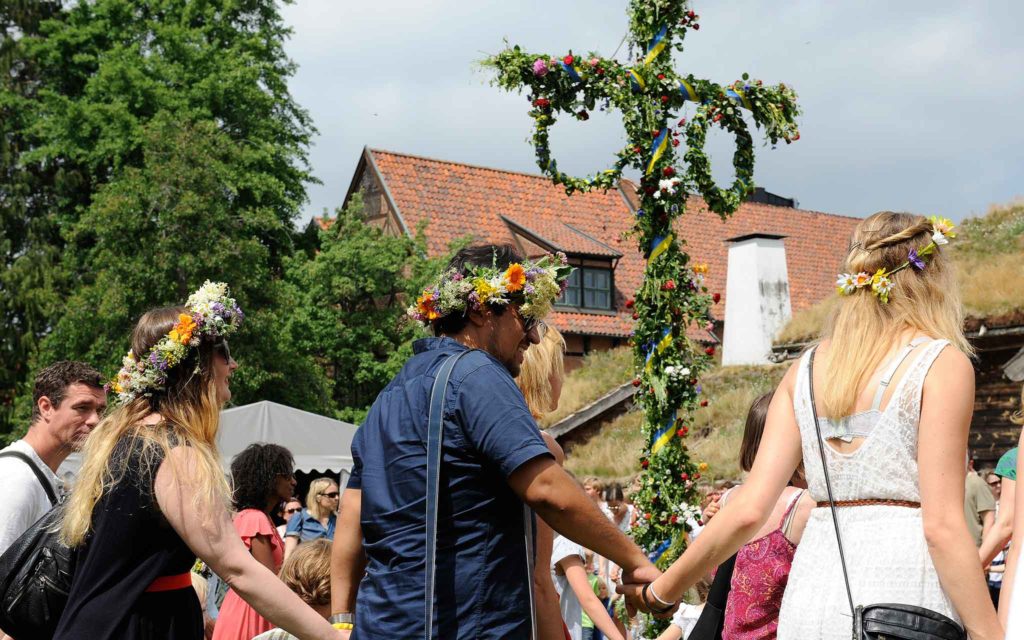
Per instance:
(459,200)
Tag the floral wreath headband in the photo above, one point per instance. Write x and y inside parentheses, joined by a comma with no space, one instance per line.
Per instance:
(536,284)
(211,313)
(881,283)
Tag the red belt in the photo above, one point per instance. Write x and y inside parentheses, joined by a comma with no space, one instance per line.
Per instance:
(171,583)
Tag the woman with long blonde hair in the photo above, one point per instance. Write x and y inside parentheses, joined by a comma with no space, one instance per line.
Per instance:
(151,495)
(895,392)
(318,519)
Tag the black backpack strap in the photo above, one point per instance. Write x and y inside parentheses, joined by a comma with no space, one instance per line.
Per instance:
(47,487)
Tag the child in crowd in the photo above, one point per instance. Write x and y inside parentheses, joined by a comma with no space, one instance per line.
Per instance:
(687,615)
(307,572)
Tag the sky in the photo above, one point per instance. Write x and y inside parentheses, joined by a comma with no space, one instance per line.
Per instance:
(910,106)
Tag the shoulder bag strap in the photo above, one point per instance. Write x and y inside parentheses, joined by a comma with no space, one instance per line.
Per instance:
(828,484)
(47,487)
(435,428)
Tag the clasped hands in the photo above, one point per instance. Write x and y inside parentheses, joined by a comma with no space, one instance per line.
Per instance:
(636,589)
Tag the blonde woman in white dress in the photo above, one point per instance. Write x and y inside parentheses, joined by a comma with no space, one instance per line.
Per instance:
(895,388)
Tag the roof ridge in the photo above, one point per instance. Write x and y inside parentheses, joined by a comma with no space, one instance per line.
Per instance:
(461,164)
(616,188)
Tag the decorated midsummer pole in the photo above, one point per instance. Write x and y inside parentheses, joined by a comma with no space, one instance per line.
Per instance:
(672,300)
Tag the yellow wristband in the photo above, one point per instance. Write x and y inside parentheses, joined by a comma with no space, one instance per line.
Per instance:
(344,626)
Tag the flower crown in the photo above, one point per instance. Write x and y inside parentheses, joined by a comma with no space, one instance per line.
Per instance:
(537,284)
(211,313)
(881,282)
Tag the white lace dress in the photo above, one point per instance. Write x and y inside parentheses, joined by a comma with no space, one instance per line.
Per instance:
(886,552)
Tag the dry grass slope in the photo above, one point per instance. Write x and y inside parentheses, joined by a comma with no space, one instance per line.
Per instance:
(716,431)
(601,372)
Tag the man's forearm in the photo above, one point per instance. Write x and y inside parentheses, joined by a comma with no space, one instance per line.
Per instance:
(348,562)
(571,513)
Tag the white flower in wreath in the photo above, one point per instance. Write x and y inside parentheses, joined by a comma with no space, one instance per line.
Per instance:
(938,238)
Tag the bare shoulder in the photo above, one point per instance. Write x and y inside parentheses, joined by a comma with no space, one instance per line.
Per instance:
(951,369)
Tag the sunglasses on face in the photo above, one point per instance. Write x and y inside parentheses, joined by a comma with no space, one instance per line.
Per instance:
(331,494)
(294,510)
(221,347)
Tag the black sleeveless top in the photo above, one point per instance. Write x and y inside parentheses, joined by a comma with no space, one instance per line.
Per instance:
(130,545)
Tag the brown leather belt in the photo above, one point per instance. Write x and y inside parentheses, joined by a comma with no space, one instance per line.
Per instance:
(871,502)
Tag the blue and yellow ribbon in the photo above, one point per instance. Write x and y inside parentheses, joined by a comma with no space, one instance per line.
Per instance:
(657,44)
(636,81)
(659,246)
(688,92)
(657,554)
(573,72)
(658,149)
(666,340)
(662,437)
(744,99)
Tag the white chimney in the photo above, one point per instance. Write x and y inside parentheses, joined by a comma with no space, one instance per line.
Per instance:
(756,298)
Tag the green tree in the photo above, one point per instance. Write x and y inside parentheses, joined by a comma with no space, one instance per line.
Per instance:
(176,154)
(352,297)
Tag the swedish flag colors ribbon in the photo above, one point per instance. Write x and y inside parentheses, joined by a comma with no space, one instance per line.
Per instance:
(662,437)
(744,99)
(636,81)
(658,149)
(657,554)
(686,89)
(660,245)
(738,97)
(666,340)
(657,44)
(573,72)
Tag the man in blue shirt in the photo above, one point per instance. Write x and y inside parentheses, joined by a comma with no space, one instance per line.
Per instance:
(493,460)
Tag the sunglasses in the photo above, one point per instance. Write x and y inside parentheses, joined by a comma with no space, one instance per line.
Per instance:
(331,494)
(291,511)
(221,347)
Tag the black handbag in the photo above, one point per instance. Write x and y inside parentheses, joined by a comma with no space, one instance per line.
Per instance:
(889,621)
(35,579)
(712,616)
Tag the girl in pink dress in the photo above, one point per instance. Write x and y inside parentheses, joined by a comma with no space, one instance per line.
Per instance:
(762,565)
(263,477)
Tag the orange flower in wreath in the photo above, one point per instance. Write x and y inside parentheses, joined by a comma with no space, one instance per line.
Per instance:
(515,276)
(425,305)
(182,332)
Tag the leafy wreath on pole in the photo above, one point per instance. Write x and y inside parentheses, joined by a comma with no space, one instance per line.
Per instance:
(673,302)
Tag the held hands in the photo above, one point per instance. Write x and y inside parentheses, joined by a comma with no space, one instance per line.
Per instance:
(710,511)
(640,598)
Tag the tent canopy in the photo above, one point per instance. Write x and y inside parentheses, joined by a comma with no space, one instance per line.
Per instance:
(316,441)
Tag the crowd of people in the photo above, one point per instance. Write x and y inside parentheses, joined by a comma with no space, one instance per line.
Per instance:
(459,519)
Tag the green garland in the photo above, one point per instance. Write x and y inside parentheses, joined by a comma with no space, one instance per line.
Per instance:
(672,300)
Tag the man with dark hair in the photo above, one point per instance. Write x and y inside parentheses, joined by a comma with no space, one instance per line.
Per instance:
(486,307)
(68,402)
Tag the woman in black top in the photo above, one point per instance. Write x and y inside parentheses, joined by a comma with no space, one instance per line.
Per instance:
(151,495)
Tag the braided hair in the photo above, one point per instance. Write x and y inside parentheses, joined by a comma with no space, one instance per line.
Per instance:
(253,472)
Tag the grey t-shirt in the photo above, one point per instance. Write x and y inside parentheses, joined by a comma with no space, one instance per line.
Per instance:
(978,499)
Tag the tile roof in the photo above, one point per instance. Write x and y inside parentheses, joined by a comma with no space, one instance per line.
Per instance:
(492,205)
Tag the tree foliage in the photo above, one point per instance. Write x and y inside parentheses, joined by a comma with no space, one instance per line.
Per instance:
(352,296)
(155,144)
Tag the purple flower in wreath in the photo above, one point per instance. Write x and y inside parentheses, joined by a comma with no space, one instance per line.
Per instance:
(540,68)
(915,260)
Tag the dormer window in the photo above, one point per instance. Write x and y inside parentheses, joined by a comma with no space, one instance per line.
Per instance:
(589,288)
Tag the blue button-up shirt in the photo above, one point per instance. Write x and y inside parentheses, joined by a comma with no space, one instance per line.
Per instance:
(305,527)
(482,584)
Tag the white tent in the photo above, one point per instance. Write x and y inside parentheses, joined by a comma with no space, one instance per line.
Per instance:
(316,441)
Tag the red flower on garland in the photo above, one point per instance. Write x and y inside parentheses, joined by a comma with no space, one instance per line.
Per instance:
(629,303)
(645,463)
(703,403)
(675,142)
(710,351)
(542,103)
(636,382)
(674,519)
(669,172)
(568,59)
(716,297)
(669,285)
(684,476)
